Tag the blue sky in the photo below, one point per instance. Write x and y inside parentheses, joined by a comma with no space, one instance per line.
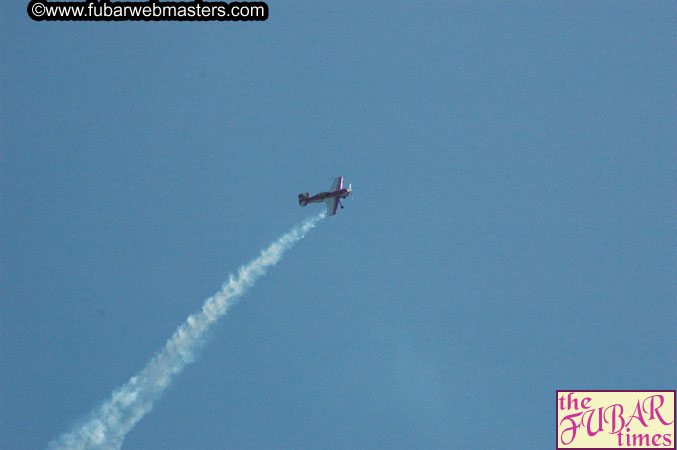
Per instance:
(512,230)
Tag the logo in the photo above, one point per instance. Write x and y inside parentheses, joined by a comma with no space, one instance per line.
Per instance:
(608,420)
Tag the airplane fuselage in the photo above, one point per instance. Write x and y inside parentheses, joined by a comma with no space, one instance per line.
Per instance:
(323,196)
(332,197)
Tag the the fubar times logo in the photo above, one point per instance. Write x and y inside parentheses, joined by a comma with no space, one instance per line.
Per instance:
(616,420)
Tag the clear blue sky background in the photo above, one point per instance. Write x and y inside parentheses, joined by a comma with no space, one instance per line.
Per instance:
(512,230)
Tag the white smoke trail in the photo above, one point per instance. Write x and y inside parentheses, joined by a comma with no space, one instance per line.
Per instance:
(108,425)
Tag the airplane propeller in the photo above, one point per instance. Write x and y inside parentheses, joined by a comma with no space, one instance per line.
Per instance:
(350,191)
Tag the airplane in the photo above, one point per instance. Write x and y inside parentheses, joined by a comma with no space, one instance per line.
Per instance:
(331,198)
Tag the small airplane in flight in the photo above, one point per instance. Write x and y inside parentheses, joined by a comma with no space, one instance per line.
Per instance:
(331,198)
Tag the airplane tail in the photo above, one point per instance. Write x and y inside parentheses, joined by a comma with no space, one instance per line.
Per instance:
(303,199)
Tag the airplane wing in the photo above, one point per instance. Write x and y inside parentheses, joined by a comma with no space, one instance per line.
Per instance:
(332,205)
(336,185)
